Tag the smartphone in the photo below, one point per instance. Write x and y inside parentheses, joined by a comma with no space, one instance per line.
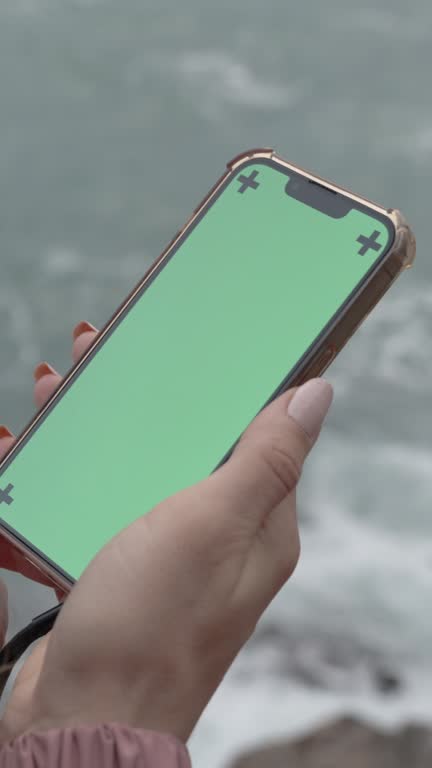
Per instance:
(258,292)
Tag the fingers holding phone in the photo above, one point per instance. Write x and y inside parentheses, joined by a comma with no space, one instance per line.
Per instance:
(7,439)
(83,336)
(153,624)
(47,379)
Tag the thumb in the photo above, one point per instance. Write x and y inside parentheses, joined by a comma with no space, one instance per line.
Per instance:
(268,460)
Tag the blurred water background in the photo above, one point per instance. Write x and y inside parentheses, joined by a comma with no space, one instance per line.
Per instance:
(116,116)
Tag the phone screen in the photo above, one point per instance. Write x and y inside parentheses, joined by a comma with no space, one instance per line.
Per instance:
(188,364)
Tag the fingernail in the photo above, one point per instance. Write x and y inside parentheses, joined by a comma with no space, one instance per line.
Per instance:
(43,369)
(310,405)
(83,327)
(5,432)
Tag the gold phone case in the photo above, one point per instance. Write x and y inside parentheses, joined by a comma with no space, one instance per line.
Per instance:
(400,257)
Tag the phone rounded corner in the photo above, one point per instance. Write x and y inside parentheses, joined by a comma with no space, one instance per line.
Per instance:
(250,154)
(403,252)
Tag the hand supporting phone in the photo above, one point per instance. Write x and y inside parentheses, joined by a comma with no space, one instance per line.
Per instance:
(257,293)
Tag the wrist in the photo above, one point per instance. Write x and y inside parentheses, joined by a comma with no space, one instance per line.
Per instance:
(159,720)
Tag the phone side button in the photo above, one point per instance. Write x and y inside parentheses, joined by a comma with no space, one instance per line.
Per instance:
(321,363)
(325,359)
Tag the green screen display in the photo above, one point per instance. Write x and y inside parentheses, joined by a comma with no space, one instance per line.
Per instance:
(188,365)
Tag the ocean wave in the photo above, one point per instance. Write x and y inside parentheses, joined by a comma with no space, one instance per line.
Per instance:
(218,80)
(413,142)
(393,345)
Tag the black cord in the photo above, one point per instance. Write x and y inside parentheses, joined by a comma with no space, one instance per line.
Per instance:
(14,649)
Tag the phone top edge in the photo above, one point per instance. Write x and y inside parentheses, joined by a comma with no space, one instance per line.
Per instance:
(394,216)
(270,154)
(248,154)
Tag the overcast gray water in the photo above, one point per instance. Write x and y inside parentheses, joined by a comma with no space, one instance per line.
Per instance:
(115,119)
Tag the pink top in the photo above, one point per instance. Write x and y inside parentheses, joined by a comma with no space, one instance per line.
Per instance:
(103,746)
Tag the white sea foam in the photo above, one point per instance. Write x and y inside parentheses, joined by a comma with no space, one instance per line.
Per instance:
(219,80)
(412,140)
(62,261)
(393,345)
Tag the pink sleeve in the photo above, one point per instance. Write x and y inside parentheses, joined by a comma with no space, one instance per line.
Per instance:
(102,746)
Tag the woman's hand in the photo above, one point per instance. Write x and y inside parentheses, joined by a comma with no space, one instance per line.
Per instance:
(152,626)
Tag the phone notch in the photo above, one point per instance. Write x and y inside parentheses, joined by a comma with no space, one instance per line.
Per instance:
(318,196)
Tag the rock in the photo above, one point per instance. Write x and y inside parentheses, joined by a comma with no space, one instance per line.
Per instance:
(346,743)
(387,682)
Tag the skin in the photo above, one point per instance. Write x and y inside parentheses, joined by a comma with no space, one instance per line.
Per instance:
(149,631)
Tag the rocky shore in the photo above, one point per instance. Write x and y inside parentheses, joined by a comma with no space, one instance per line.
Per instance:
(346,743)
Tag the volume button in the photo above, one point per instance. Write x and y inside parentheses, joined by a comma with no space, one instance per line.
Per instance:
(324,360)
(321,362)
